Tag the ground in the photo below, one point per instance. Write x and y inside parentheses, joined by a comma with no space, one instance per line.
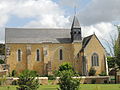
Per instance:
(82,87)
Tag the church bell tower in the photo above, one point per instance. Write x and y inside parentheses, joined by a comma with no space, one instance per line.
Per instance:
(76,31)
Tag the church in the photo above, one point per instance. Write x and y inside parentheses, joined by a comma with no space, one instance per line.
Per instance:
(45,49)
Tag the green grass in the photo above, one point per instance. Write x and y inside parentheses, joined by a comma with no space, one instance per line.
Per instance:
(82,87)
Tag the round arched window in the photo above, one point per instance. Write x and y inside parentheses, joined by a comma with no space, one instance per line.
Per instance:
(95,59)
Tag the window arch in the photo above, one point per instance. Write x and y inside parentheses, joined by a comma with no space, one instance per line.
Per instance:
(95,59)
(38,55)
(61,54)
(19,55)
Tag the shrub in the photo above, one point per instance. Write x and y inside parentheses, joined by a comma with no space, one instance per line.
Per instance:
(103,74)
(65,66)
(51,77)
(66,81)
(93,81)
(27,80)
(2,61)
(14,82)
(14,73)
(92,72)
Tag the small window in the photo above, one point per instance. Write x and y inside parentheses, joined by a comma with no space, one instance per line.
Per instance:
(95,60)
(38,55)
(19,55)
(61,54)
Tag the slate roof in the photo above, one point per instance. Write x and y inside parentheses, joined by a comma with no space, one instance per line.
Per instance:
(37,35)
(86,40)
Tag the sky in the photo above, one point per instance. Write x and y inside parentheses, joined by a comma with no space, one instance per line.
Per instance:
(95,16)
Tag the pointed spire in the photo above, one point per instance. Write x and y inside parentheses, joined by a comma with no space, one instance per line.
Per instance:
(75,23)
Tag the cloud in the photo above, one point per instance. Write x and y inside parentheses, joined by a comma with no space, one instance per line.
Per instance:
(100,11)
(105,32)
(96,17)
(46,13)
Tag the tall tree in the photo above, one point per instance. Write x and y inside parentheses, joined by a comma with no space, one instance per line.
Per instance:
(117,48)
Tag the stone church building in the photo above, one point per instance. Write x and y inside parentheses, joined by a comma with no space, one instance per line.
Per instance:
(44,49)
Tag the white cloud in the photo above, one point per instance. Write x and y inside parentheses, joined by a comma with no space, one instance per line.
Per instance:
(46,13)
(105,33)
(100,11)
(102,30)
(96,17)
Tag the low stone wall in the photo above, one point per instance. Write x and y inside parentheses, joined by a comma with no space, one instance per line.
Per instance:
(87,80)
(3,72)
(97,79)
(42,80)
(83,80)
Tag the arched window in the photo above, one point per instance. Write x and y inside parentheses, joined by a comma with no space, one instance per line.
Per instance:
(61,54)
(37,55)
(95,59)
(19,55)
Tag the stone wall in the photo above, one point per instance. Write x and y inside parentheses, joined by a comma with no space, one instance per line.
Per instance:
(83,80)
(88,80)
(42,80)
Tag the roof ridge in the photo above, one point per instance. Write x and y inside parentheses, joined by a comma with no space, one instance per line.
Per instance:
(40,28)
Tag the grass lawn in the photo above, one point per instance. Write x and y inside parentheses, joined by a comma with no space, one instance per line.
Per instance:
(82,87)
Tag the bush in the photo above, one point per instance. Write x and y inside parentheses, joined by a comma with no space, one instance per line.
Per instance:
(65,66)
(14,73)
(93,81)
(103,74)
(27,80)
(2,61)
(66,81)
(92,72)
(51,77)
(14,82)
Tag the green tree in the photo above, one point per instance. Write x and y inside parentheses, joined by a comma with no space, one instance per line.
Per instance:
(117,49)
(111,62)
(66,81)
(27,80)
(65,67)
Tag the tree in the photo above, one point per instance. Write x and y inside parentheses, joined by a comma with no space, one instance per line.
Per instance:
(117,49)
(65,67)
(27,80)
(111,62)
(66,81)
